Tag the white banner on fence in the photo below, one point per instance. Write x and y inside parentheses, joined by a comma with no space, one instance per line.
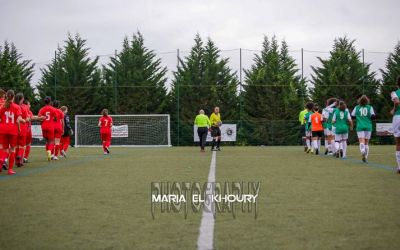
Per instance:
(37,132)
(119,131)
(384,129)
(228,133)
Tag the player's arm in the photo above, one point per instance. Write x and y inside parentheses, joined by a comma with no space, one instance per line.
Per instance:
(396,102)
(334,118)
(111,122)
(350,121)
(373,115)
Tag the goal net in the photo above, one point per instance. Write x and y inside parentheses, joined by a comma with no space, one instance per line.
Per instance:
(127,130)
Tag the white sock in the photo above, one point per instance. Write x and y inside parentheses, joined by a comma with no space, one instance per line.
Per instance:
(326,144)
(337,146)
(366,150)
(344,147)
(362,148)
(319,144)
(398,159)
(308,143)
(315,144)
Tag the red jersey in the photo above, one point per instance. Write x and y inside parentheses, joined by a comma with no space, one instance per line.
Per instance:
(30,116)
(59,117)
(24,115)
(105,124)
(9,116)
(2,101)
(316,122)
(50,113)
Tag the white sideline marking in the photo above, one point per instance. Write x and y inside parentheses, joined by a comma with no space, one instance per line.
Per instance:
(206,235)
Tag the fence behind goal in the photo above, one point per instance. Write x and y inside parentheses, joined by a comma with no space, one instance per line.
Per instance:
(128,130)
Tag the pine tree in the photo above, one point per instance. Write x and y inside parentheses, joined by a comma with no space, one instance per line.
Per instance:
(343,75)
(15,73)
(203,80)
(138,77)
(273,96)
(74,79)
(389,75)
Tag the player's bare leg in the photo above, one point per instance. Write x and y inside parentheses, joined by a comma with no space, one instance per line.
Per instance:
(398,154)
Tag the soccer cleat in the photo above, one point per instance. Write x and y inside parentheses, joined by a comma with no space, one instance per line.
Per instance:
(344,157)
(107,150)
(48,155)
(105,153)
(398,170)
(305,149)
(341,153)
(4,166)
(364,158)
(219,149)
(63,154)
(326,152)
(11,172)
(18,161)
(25,160)
(309,150)
(337,154)
(54,158)
(317,152)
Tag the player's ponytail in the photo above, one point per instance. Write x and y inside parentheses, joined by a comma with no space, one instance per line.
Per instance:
(9,98)
(19,97)
(363,100)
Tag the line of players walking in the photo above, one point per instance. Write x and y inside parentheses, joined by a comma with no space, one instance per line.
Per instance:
(334,123)
(16,129)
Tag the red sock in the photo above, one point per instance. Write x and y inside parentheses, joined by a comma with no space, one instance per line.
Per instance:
(17,151)
(56,150)
(2,156)
(21,154)
(67,141)
(47,147)
(11,161)
(27,151)
(51,147)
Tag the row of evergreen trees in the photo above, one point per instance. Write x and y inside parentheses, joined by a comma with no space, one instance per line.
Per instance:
(265,106)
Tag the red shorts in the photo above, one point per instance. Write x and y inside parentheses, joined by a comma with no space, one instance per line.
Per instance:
(28,138)
(58,133)
(8,141)
(21,141)
(105,136)
(48,133)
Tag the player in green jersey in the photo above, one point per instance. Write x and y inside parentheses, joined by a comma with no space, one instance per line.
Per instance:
(363,113)
(396,121)
(327,115)
(342,121)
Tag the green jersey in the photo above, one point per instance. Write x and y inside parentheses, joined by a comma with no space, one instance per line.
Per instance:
(341,120)
(306,118)
(363,116)
(327,114)
(396,94)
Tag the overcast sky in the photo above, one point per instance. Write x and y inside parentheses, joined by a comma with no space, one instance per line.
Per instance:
(37,27)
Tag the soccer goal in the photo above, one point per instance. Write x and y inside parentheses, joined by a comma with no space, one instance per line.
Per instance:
(127,131)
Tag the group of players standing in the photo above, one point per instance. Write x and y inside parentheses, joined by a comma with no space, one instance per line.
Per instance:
(16,129)
(334,123)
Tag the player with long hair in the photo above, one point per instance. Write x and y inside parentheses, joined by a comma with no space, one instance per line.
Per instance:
(47,115)
(342,121)
(327,115)
(3,153)
(66,137)
(364,114)
(317,129)
(105,124)
(28,141)
(21,141)
(10,120)
(58,129)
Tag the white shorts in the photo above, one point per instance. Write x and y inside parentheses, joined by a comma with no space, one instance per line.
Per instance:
(327,132)
(341,137)
(308,133)
(364,134)
(396,126)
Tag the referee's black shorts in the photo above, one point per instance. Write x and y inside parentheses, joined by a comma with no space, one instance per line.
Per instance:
(215,131)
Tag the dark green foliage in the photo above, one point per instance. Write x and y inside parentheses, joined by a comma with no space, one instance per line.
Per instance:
(138,79)
(273,95)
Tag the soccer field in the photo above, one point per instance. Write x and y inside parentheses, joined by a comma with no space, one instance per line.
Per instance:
(92,201)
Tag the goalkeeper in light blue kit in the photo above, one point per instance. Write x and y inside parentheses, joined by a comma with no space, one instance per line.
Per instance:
(363,113)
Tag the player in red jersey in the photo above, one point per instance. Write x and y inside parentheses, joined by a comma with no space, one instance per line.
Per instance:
(66,137)
(58,128)
(21,141)
(47,115)
(29,131)
(10,119)
(3,153)
(105,124)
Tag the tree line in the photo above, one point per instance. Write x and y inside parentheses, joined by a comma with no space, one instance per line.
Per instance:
(265,105)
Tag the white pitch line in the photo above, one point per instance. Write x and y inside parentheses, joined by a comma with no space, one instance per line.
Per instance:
(206,235)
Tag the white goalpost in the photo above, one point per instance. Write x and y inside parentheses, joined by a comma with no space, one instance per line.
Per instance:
(127,131)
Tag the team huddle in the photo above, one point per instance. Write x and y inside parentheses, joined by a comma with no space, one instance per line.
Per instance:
(334,123)
(16,120)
